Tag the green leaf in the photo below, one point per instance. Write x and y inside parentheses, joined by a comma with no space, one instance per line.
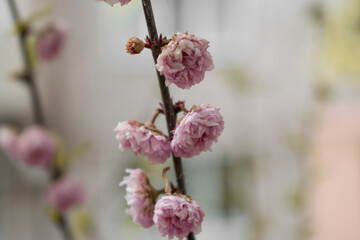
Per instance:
(82,223)
(53,214)
(60,159)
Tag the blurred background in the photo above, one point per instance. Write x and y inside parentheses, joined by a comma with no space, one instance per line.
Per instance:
(286,78)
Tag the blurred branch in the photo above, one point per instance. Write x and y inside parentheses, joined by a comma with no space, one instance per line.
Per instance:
(29,77)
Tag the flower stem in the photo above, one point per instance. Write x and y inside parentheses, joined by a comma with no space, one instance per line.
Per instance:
(29,78)
(157,113)
(169,110)
(166,180)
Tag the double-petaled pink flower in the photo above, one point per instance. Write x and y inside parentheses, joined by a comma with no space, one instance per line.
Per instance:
(139,197)
(143,141)
(112,2)
(65,194)
(178,215)
(50,42)
(8,141)
(197,131)
(185,60)
(36,147)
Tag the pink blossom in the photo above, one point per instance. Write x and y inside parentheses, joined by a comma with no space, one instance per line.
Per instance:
(50,42)
(178,215)
(143,141)
(36,147)
(8,141)
(184,60)
(65,194)
(197,131)
(139,197)
(112,2)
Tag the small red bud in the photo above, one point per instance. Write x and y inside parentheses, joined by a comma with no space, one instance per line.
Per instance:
(134,45)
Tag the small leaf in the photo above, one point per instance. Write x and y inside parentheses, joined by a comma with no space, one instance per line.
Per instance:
(82,223)
(19,27)
(60,159)
(53,214)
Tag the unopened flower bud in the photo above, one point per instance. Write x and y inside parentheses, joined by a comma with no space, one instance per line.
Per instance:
(134,45)
(51,41)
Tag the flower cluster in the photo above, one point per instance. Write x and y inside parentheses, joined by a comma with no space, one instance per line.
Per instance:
(185,60)
(197,131)
(178,215)
(139,197)
(65,194)
(143,141)
(173,215)
(34,146)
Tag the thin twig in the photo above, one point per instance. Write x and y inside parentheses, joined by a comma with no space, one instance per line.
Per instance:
(165,94)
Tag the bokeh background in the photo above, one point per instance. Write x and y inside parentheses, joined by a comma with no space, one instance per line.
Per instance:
(286,78)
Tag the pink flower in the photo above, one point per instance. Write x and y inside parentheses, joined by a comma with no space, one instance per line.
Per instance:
(178,215)
(184,60)
(8,141)
(36,147)
(139,197)
(143,141)
(65,194)
(197,131)
(50,42)
(112,2)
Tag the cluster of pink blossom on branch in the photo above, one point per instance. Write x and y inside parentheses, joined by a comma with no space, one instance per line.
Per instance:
(182,60)
(36,147)
(173,215)
(196,131)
